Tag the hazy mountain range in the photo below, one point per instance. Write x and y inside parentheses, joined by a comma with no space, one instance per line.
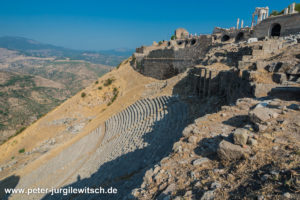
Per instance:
(30,47)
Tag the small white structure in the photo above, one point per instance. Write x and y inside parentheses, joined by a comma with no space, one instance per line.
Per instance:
(251,40)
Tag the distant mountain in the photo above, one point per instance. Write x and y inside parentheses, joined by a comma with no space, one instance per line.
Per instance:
(30,47)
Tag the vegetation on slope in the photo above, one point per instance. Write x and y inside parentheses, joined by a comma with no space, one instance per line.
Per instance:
(276,13)
(25,98)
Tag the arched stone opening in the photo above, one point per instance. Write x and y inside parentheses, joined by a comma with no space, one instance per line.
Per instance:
(193,41)
(179,42)
(225,38)
(275,30)
(239,37)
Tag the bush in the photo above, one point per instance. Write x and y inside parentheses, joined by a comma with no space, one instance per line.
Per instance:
(275,13)
(96,82)
(108,82)
(99,88)
(297,7)
(83,94)
(20,131)
(160,43)
(115,93)
(173,37)
(22,150)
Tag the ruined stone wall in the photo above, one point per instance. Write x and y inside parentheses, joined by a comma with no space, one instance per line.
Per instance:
(205,82)
(234,35)
(290,24)
(176,57)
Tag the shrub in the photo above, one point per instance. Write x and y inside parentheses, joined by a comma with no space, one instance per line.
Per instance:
(20,131)
(22,150)
(96,82)
(160,43)
(173,37)
(83,94)
(108,82)
(297,7)
(119,65)
(99,88)
(115,93)
(275,13)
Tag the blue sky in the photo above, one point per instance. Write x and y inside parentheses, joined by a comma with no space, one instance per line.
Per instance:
(110,24)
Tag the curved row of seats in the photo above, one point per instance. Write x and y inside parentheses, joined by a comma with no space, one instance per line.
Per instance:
(125,130)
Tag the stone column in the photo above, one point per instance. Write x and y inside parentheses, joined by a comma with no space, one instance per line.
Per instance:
(259,17)
(238,23)
(292,8)
(267,10)
(209,83)
(242,24)
(286,11)
(253,18)
(204,83)
(200,83)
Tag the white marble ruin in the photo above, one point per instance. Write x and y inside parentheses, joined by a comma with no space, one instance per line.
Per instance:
(261,13)
(292,8)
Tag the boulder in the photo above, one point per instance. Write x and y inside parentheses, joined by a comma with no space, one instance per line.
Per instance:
(208,195)
(229,151)
(240,136)
(262,114)
(252,142)
(201,161)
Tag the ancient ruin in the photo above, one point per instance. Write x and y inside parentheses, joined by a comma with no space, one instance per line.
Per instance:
(169,58)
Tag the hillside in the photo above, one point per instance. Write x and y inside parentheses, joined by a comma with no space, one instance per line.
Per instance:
(33,48)
(32,86)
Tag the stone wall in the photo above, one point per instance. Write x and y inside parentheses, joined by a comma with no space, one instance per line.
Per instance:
(205,82)
(233,35)
(167,61)
(290,24)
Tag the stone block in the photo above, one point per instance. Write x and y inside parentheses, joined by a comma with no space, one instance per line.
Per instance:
(229,151)
(240,136)
(262,114)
